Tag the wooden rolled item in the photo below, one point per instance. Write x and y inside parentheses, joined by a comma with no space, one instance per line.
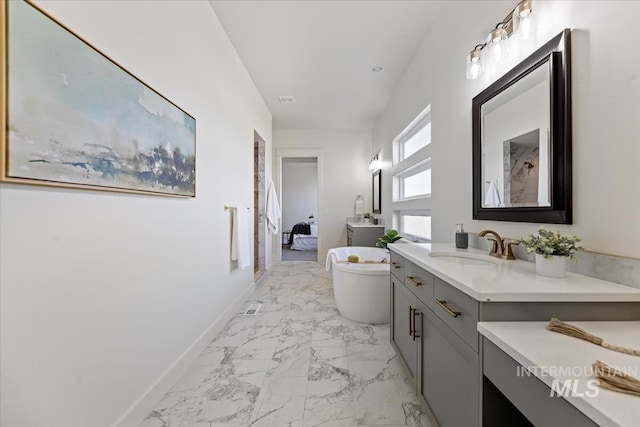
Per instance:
(564,328)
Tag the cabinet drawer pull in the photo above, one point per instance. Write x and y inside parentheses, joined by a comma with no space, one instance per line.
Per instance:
(412,279)
(415,330)
(443,304)
(396,265)
(410,321)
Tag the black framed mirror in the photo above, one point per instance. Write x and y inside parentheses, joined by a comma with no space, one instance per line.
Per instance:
(377,192)
(522,140)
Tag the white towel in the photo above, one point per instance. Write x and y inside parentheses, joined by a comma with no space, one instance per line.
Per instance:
(240,245)
(234,234)
(330,255)
(492,200)
(244,248)
(273,208)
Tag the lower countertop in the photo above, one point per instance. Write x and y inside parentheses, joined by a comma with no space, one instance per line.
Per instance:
(553,356)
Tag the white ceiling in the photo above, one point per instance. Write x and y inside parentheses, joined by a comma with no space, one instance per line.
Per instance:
(322,53)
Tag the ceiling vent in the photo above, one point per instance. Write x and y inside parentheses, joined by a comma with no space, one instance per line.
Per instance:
(286,99)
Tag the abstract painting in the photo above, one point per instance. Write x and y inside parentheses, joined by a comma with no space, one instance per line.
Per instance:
(74,118)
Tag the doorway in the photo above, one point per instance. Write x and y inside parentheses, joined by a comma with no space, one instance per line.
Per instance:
(297,206)
(300,208)
(259,202)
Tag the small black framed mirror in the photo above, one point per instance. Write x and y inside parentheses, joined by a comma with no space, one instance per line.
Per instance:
(522,140)
(377,192)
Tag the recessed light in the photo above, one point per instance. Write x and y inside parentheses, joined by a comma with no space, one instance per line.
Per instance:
(286,99)
(376,69)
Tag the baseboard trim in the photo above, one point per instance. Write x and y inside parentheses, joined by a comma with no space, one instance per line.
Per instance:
(262,278)
(143,406)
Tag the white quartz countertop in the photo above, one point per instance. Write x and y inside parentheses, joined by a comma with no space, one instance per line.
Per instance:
(363,224)
(552,356)
(510,281)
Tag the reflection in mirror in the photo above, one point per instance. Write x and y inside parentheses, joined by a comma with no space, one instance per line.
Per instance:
(377,192)
(515,143)
(522,140)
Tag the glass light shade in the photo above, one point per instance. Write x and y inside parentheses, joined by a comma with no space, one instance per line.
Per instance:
(474,64)
(496,52)
(522,19)
(497,35)
(493,52)
(524,8)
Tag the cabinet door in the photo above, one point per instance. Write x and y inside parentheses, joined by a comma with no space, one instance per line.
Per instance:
(366,236)
(404,302)
(449,375)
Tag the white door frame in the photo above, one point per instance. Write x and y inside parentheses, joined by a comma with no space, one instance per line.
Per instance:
(284,153)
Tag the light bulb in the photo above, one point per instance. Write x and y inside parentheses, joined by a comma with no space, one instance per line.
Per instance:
(524,8)
(498,34)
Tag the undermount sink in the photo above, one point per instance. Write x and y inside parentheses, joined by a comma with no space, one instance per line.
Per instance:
(463,258)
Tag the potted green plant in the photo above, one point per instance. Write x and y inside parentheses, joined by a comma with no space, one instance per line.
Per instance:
(389,237)
(552,250)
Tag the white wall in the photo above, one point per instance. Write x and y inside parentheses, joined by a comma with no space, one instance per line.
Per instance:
(101,293)
(606,129)
(344,171)
(299,191)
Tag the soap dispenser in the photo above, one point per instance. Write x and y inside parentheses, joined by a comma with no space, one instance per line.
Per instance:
(462,238)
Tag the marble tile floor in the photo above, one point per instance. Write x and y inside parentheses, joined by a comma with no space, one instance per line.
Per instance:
(296,363)
(292,255)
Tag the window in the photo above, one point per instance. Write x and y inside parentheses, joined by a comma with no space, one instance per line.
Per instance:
(415,224)
(420,139)
(412,178)
(414,182)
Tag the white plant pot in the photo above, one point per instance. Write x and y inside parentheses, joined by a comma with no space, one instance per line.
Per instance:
(556,266)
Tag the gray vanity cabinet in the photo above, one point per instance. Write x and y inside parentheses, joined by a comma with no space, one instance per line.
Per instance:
(449,375)
(404,304)
(364,235)
(411,296)
(434,332)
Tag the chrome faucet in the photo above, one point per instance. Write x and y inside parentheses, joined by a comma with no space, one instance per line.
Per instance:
(500,248)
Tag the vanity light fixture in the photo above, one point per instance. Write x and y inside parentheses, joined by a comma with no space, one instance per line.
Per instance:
(518,20)
(374,163)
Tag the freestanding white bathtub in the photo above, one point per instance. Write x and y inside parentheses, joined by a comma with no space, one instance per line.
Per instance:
(361,290)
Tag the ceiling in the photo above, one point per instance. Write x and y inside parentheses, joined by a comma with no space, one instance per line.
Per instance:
(322,53)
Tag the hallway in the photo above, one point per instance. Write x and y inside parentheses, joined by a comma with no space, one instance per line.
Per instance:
(296,363)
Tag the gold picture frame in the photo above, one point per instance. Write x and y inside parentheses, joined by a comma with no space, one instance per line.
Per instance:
(74,118)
